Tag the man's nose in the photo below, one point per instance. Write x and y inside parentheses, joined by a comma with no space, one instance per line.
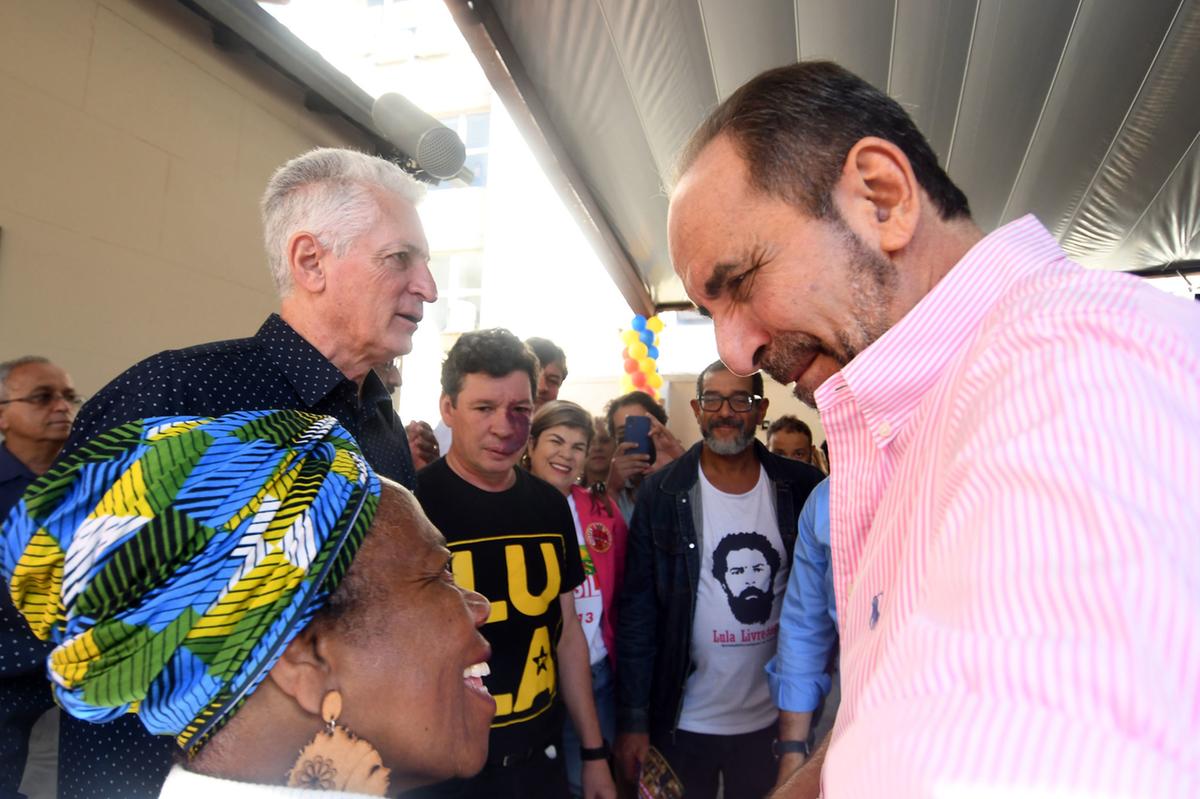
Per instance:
(740,342)
(423,284)
(502,425)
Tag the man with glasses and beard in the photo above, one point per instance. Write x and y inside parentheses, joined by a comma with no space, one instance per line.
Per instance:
(707,542)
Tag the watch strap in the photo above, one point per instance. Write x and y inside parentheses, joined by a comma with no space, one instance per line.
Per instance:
(600,752)
(780,748)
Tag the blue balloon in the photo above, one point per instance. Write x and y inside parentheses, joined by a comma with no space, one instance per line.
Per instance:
(652,352)
(638,323)
(647,336)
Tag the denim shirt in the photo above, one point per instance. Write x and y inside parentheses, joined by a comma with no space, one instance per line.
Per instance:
(662,571)
(798,674)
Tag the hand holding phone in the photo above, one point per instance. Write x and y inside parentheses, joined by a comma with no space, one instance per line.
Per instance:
(637,432)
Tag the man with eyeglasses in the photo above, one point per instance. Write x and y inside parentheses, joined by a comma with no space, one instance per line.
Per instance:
(37,407)
(710,546)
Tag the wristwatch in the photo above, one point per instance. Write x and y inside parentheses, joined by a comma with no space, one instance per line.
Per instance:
(600,752)
(780,748)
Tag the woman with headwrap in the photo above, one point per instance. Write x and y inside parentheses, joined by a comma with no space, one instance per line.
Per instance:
(249,586)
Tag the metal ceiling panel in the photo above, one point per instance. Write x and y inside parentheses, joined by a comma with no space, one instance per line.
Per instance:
(929,58)
(1080,111)
(664,58)
(855,33)
(1169,228)
(1015,51)
(1093,90)
(1158,131)
(745,39)
(570,55)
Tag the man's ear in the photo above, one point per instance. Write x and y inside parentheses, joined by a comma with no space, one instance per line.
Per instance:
(763,404)
(695,408)
(446,406)
(307,261)
(878,195)
(304,671)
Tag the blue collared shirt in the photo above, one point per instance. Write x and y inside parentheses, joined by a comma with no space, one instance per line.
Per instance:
(798,674)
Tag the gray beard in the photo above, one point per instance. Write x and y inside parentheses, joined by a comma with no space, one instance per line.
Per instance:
(729,446)
(874,280)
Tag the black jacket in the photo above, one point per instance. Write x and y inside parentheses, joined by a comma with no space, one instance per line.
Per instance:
(662,569)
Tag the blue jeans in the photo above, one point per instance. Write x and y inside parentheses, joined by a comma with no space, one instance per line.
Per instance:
(604,692)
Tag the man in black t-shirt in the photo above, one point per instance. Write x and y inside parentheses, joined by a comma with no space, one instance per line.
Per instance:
(513,539)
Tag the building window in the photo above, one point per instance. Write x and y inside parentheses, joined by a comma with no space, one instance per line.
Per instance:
(459,276)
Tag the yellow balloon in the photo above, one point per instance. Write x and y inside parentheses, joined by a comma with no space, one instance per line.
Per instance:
(655,324)
(654,379)
(629,337)
(626,384)
(637,350)
(647,365)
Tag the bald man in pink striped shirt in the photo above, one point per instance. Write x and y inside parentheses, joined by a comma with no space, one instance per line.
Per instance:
(1015,453)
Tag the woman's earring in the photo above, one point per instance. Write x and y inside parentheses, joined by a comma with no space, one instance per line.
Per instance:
(337,760)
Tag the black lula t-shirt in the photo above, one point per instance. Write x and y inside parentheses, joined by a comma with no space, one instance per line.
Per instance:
(517,548)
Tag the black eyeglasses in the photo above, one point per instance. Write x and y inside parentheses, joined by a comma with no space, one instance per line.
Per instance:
(44,399)
(738,403)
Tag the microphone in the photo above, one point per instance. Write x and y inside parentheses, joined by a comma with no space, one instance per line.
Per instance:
(437,150)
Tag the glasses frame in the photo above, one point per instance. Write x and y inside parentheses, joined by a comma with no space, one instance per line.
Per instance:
(750,399)
(74,400)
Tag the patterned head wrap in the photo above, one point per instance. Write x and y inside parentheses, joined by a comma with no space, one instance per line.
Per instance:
(171,560)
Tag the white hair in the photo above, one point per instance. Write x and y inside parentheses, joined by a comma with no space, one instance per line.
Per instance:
(7,366)
(331,193)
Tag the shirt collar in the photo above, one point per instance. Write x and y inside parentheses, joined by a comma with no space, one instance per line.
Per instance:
(12,467)
(889,379)
(374,392)
(311,374)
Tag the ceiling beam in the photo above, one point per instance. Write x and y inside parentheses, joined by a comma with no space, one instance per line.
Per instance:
(1168,269)
(485,34)
(240,26)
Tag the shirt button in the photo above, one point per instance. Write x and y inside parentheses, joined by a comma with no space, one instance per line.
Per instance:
(884,430)
(692,545)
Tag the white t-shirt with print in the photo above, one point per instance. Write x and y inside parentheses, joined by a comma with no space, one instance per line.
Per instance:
(589,602)
(736,623)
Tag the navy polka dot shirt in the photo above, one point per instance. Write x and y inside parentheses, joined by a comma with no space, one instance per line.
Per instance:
(276,368)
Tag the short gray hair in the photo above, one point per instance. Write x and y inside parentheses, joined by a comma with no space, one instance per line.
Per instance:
(331,193)
(6,368)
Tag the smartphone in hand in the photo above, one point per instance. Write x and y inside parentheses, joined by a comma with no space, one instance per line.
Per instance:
(637,430)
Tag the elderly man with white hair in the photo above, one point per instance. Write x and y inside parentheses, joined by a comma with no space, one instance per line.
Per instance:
(349,258)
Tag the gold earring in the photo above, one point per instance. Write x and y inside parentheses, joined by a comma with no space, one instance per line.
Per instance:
(338,760)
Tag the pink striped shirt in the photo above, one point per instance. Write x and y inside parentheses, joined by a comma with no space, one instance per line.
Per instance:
(1015,509)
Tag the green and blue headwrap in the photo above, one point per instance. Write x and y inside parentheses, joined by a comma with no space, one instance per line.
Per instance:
(171,560)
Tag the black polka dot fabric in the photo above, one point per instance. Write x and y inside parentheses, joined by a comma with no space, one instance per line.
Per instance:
(276,368)
(24,692)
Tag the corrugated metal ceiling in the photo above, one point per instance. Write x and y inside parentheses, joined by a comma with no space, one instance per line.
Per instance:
(1082,112)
